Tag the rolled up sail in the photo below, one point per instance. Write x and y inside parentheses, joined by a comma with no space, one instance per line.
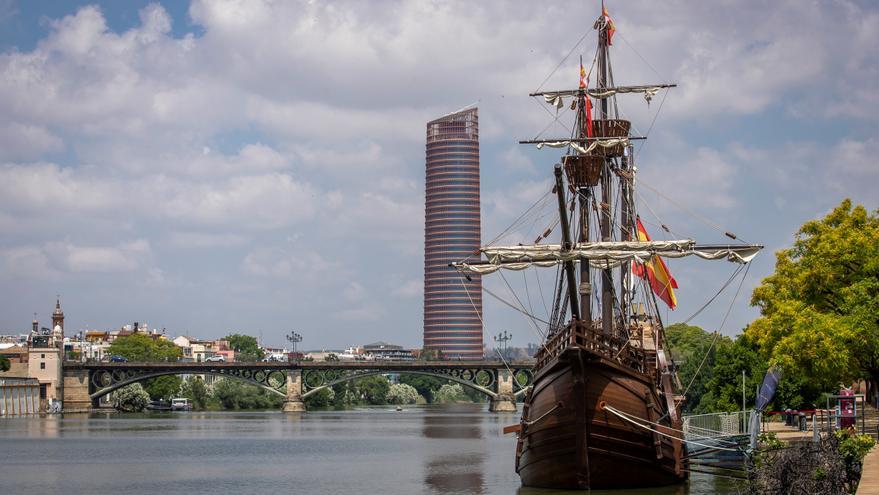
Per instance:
(601,254)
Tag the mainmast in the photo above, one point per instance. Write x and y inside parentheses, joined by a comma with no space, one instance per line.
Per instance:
(605,211)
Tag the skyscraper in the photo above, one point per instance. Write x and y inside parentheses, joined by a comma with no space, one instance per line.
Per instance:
(452,304)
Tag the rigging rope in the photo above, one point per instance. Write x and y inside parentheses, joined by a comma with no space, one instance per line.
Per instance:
(522,306)
(717,332)
(562,61)
(687,210)
(620,415)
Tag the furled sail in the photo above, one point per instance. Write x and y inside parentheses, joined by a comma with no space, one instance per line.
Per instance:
(557,98)
(607,254)
(593,143)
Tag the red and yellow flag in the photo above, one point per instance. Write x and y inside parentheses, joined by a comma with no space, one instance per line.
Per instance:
(611,27)
(582,75)
(661,281)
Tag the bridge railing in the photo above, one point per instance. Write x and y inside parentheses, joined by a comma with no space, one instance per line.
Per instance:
(716,425)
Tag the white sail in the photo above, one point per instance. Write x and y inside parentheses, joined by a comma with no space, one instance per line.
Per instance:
(556,98)
(601,254)
(604,143)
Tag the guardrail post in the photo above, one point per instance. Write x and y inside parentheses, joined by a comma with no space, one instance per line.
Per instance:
(293,402)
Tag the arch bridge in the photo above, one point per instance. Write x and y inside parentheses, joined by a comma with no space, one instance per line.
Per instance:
(85,383)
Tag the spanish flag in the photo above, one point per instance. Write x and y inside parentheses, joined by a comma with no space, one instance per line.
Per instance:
(611,27)
(582,75)
(661,281)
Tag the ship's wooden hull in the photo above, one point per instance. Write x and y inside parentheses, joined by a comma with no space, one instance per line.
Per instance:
(569,441)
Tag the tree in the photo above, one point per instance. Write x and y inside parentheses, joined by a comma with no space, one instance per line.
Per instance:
(226,392)
(142,348)
(400,393)
(449,393)
(131,398)
(690,345)
(321,399)
(372,389)
(234,394)
(246,347)
(163,387)
(818,310)
(4,364)
(425,385)
(195,390)
(723,390)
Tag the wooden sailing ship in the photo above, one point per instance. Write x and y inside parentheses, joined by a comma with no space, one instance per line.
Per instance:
(604,408)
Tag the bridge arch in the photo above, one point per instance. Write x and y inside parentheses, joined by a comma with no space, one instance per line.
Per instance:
(362,374)
(273,381)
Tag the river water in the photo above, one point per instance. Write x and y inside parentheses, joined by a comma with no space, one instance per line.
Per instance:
(431,449)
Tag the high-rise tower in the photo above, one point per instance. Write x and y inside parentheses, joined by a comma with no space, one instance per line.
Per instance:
(452,304)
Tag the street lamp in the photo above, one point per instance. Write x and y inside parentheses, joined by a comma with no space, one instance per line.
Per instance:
(293,338)
(502,339)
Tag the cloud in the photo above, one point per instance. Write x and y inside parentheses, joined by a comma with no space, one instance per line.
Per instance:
(27,142)
(57,258)
(409,289)
(295,266)
(198,240)
(124,257)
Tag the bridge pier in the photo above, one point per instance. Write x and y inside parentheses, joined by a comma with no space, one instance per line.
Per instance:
(293,402)
(505,401)
(75,396)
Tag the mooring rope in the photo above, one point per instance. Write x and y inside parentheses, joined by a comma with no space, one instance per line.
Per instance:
(620,415)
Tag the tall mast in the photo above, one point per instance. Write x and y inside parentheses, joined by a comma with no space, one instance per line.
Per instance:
(605,211)
(584,195)
(566,243)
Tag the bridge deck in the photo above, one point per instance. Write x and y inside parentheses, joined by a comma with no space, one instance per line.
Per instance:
(304,365)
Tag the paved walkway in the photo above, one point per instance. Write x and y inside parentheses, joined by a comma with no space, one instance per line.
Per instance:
(869,484)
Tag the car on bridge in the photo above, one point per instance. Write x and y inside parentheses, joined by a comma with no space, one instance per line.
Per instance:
(215,359)
(118,359)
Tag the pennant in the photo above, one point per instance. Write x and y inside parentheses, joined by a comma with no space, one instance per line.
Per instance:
(655,271)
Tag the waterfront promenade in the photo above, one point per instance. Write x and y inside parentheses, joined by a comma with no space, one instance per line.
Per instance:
(869,484)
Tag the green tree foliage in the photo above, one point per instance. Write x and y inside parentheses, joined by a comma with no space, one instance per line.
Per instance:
(4,364)
(142,348)
(234,394)
(246,347)
(723,390)
(400,393)
(425,385)
(163,387)
(321,399)
(449,393)
(818,310)
(372,389)
(689,346)
(132,398)
(196,391)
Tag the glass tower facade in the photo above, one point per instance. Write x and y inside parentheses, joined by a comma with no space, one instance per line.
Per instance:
(452,304)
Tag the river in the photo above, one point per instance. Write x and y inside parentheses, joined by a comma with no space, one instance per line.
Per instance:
(431,449)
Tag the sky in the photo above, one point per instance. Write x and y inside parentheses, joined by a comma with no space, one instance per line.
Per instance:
(255,166)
